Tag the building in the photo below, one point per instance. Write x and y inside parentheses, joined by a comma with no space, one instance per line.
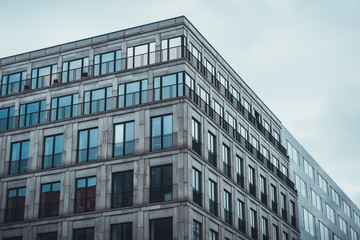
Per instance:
(325,211)
(144,133)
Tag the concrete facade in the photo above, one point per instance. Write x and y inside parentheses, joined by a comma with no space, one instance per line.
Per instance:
(242,131)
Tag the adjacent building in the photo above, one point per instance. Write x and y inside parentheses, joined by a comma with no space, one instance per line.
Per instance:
(147,133)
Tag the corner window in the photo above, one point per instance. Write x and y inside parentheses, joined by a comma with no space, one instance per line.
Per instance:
(122,189)
(6,118)
(19,157)
(85,195)
(161,132)
(15,205)
(107,63)
(32,113)
(88,141)
(161,184)
(64,107)
(50,199)
(141,55)
(98,100)
(133,93)
(53,151)
(13,83)
(44,76)
(124,139)
(75,70)
(168,86)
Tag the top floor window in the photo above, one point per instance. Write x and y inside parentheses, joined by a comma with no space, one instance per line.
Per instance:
(335,197)
(171,48)
(209,67)
(309,170)
(107,63)
(322,183)
(6,118)
(168,86)
(141,55)
(75,69)
(44,76)
(13,83)
(133,93)
(195,52)
(293,153)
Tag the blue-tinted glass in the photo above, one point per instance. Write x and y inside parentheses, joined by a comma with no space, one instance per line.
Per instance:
(58,144)
(49,145)
(91,181)
(106,57)
(46,188)
(22,109)
(4,114)
(119,140)
(42,105)
(14,78)
(15,152)
(167,138)
(156,133)
(44,71)
(80,183)
(75,64)
(93,138)
(169,86)
(32,107)
(180,85)
(121,95)
(83,139)
(5,79)
(12,193)
(25,150)
(129,138)
(21,192)
(132,93)
(56,187)
(118,61)
(157,88)
(64,107)
(64,101)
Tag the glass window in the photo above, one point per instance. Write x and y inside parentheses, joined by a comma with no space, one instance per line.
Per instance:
(44,76)
(346,209)
(50,199)
(322,183)
(85,194)
(309,170)
(122,189)
(98,100)
(212,148)
(168,86)
(275,232)
(263,189)
(253,223)
(47,236)
(324,232)
(19,157)
(196,183)
(196,230)
(330,213)
(300,185)
(161,132)
(241,216)
(315,199)
(75,69)
(212,197)
(265,152)
(53,151)
(32,113)
(107,63)
(343,225)
(141,55)
(219,110)
(240,171)
(124,139)
(64,107)
(213,235)
(15,205)
(255,143)
(251,178)
(210,68)
(356,218)
(284,170)
(264,228)
(195,134)
(335,197)
(227,207)
(223,81)
(161,184)
(13,83)
(161,228)
(246,107)
(204,95)
(133,93)
(309,222)
(171,48)
(83,233)
(88,141)
(6,118)
(122,231)
(273,197)
(353,234)
(226,161)
(293,153)
(13,238)
(244,133)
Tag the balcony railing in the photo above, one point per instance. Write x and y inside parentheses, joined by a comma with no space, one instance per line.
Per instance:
(197,197)
(293,221)
(227,169)
(274,206)
(196,146)
(252,189)
(19,166)
(212,158)
(227,217)
(213,207)
(284,214)
(242,225)
(160,194)
(254,233)
(264,198)
(240,180)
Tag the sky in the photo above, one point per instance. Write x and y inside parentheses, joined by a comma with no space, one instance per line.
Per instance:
(301,57)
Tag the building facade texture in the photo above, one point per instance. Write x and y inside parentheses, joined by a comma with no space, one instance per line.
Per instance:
(146,133)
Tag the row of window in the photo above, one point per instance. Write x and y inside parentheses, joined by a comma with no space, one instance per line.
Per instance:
(85,195)
(161,138)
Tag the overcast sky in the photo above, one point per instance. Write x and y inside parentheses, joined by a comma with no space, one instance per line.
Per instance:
(301,57)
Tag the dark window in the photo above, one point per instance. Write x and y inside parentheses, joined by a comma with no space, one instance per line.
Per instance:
(15,205)
(53,151)
(75,69)
(141,55)
(83,233)
(13,83)
(107,63)
(124,139)
(50,198)
(44,76)
(213,235)
(253,224)
(32,113)
(263,190)
(171,48)
(227,207)
(252,186)
(241,216)
(161,184)
(212,148)
(196,182)
(226,161)
(292,213)
(85,194)
(275,233)
(19,157)
(88,145)
(285,236)
(64,107)
(240,171)
(213,197)
(6,118)
(273,196)
(98,100)
(161,132)
(161,228)
(122,189)
(13,238)
(196,230)
(133,93)
(283,206)
(195,134)
(168,86)
(122,231)
(47,236)
(264,226)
